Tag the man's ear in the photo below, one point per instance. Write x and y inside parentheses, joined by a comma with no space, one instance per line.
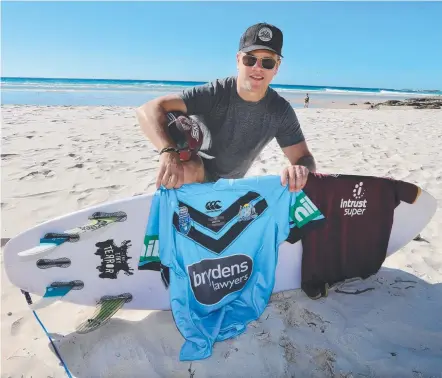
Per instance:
(277,66)
(238,56)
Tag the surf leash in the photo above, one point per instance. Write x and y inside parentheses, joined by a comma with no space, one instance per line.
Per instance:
(29,300)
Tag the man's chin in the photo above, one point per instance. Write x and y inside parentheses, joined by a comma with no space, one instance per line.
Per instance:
(253,85)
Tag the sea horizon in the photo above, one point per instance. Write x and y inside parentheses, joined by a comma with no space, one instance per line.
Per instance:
(132,92)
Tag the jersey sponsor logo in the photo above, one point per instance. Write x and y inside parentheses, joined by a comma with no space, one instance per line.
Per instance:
(213,205)
(212,280)
(357,205)
(215,222)
(149,258)
(247,212)
(303,211)
(113,259)
(184,220)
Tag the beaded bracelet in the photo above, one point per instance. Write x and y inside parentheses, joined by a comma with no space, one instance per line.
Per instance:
(169,149)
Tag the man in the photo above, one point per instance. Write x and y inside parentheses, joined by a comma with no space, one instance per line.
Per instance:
(242,113)
(306,101)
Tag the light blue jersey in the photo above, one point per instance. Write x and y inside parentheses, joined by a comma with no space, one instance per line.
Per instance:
(220,241)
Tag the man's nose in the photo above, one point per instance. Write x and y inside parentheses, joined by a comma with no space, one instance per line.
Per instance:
(257,65)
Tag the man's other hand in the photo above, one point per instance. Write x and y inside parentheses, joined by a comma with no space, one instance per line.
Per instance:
(171,172)
(296,176)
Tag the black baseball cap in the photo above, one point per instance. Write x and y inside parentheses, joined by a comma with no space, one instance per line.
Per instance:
(262,36)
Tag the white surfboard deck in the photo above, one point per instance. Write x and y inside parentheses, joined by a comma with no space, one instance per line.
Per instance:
(146,287)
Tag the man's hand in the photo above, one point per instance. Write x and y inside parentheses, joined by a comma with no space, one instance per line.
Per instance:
(171,173)
(296,175)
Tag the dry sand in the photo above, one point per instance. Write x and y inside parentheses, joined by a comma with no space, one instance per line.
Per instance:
(59,159)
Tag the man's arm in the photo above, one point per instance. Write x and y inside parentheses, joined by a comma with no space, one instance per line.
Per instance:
(153,121)
(299,154)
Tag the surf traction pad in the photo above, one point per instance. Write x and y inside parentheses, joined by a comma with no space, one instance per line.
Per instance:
(107,306)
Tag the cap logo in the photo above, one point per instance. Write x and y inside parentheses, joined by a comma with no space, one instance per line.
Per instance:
(265,34)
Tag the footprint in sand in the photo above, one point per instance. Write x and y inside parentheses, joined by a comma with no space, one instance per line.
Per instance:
(288,315)
(314,321)
(43,163)
(15,326)
(324,359)
(289,349)
(7,157)
(79,165)
(45,172)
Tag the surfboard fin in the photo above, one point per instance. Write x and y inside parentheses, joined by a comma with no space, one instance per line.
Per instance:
(52,240)
(62,262)
(119,216)
(47,244)
(40,250)
(107,306)
(55,291)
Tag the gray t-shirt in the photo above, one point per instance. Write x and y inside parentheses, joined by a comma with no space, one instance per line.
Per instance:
(240,129)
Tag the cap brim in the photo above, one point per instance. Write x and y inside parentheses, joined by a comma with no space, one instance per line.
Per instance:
(259,47)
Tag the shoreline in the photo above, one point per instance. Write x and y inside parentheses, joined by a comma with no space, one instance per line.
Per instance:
(325,101)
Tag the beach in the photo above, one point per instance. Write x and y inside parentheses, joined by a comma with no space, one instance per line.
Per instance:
(58,159)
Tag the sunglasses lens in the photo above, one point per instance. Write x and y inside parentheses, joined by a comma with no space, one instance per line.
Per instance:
(249,60)
(268,63)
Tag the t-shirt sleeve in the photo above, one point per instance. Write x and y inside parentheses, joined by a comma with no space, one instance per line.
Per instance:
(201,99)
(406,191)
(289,131)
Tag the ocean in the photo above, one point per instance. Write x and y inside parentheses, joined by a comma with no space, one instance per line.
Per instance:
(83,92)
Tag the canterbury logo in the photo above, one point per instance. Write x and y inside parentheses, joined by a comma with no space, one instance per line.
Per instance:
(213,205)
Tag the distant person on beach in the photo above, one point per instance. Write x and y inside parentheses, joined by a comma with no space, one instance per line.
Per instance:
(306,101)
(242,113)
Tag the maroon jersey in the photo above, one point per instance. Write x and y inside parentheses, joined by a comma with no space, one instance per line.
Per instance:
(353,239)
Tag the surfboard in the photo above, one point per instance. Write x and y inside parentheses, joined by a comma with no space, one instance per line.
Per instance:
(99,255)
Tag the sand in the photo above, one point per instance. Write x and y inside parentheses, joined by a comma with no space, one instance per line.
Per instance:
(59,159)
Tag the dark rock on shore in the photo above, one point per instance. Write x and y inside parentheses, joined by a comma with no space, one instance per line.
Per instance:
(417,103)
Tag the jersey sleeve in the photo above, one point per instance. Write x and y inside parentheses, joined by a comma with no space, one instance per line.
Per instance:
(167,247)
(304,216)
(406,191)
(152,229)
(289,131)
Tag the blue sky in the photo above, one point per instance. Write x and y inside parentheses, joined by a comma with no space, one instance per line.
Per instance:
(366,44)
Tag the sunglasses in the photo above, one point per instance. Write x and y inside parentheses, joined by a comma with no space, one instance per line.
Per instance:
(266,63)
